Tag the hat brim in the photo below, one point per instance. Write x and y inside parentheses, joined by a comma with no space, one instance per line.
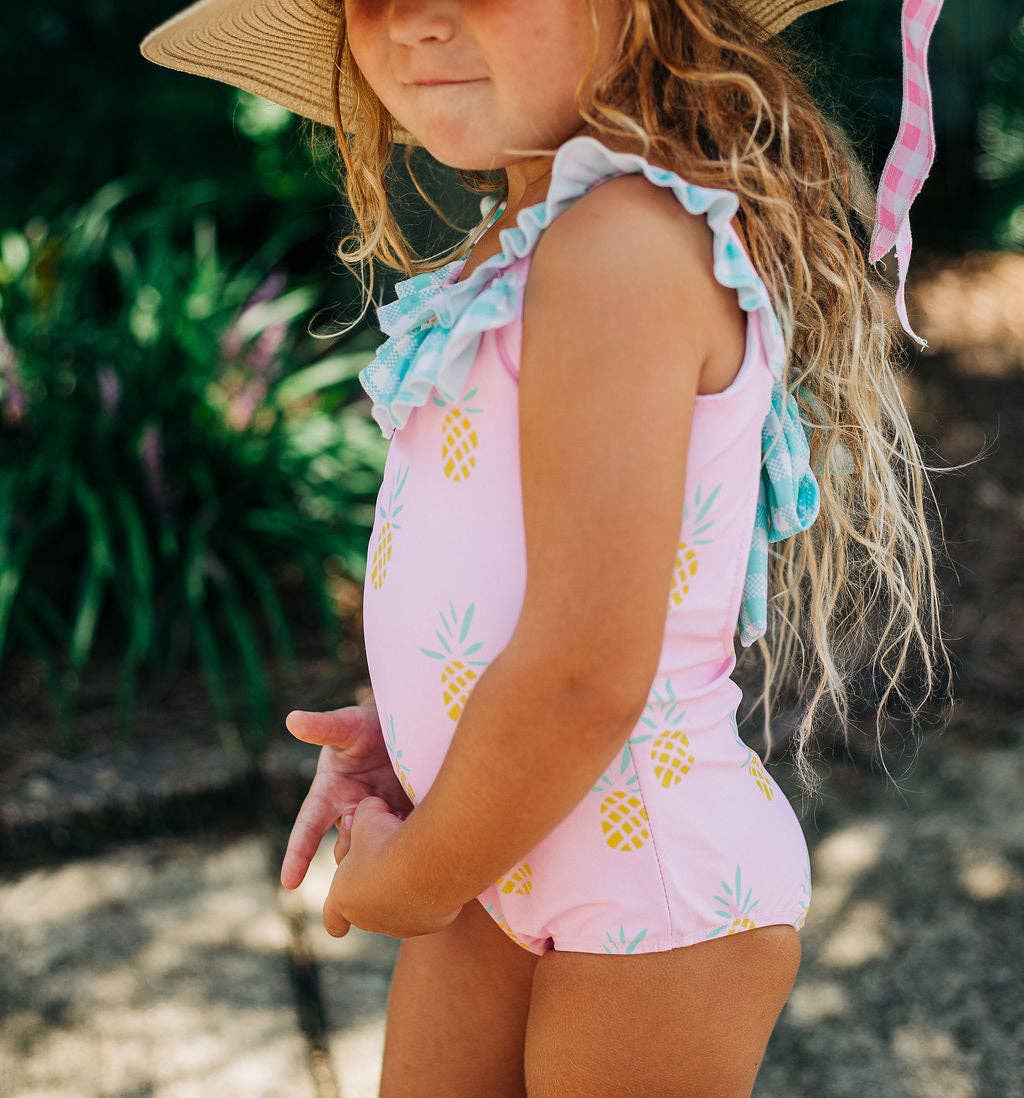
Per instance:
(773,15)
(283,50)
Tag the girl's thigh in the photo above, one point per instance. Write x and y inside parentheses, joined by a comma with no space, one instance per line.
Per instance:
(687,1022)
(457,1010)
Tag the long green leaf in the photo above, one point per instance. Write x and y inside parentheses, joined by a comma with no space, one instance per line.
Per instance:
(99,568)
(277,622)
(321,375)
(140,621)
(248,649)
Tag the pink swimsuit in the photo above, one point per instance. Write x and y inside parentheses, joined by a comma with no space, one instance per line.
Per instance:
(685,836)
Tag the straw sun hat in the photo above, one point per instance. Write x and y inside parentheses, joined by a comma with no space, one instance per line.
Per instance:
(283,50)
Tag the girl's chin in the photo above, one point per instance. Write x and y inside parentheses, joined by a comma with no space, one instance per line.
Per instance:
(457,150)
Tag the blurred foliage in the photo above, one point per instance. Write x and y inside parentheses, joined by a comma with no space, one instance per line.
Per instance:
(172,439)
(158,467)
(974,196)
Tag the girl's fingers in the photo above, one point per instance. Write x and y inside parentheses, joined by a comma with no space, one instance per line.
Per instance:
(315,818)
(302,845)
(344,840)
(338,727)
(336,925)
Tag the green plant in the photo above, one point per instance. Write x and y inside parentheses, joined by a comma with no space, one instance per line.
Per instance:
(170,438)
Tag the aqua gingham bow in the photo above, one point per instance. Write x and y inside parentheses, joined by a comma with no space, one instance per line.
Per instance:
(788,499)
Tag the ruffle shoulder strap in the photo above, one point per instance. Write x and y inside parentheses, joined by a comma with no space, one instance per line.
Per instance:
(435,325)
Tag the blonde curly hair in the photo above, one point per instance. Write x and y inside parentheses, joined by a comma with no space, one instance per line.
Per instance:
(697,87)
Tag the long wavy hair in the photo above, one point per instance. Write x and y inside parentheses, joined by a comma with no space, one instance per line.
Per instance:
(698,88)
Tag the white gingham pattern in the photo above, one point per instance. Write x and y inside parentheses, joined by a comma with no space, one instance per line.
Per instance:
(913,153)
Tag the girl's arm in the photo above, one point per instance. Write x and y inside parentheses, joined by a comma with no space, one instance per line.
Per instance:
(622,309)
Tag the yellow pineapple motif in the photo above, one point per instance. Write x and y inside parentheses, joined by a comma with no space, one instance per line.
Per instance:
(499,918)
(457,676)
(624,822)
(686,564)
(518,880)
(752,763)
(382,547)
(670,751)
(395,752)
(458,437)
(735,913)
(761,777)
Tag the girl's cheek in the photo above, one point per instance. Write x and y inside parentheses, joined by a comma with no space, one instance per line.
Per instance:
(364,19)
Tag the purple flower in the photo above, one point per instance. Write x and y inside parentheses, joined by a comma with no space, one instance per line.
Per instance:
(15,401)
(110,390)
(151,451)
(232,342)
(245,403)
(262,357)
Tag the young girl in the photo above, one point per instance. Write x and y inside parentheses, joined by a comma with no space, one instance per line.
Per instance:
(660,353)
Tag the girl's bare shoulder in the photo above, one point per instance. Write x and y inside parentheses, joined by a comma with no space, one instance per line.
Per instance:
(630,245)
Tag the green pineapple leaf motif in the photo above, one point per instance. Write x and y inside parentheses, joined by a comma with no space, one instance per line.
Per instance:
(382,547)
(457,675)
(626,757)
(617,942)
(735,910)
(670,751)
(736,732)
(687,562)
(805,895)
(702,509)
(499,918)
(400,769)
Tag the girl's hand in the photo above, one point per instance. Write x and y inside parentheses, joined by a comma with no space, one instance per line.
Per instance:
(353,764)
(368,889)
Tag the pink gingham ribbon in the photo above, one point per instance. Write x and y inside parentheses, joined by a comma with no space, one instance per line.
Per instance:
(911,157)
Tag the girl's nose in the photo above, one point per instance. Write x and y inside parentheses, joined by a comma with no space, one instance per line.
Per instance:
(411,22)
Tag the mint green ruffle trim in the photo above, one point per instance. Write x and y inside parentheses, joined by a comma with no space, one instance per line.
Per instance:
(435,324)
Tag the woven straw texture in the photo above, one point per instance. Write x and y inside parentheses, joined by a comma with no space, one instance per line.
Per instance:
(284,50)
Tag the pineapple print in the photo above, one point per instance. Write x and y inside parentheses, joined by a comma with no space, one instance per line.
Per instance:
(617,942)
(623,815)
(686,556)
(519,881)
(805,897)
(736,915)
(396,758)
(499,918)
(670,751)
(626,757)
(762,779)
(752,763)
(458,437)
(382,547)
(457,675)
